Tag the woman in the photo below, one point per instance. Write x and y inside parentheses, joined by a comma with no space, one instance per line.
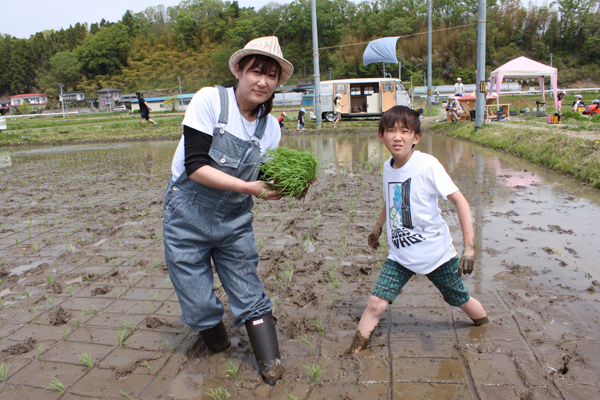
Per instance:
(338,110)
(207,211)
(559,100)
(453,110)
(144,110)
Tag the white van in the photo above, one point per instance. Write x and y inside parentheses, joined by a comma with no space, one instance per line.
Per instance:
(363,97)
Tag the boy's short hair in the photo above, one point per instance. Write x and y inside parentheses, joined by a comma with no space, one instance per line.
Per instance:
(403,115)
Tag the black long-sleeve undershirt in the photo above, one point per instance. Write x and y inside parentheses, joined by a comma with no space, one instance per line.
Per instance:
(197,145)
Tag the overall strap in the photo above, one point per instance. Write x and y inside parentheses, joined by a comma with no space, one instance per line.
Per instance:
(262,124)
(224,96)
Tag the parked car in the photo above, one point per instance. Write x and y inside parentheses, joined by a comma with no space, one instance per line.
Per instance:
(120,108)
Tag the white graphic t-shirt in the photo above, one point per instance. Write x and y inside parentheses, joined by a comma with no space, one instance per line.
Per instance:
(203,113)
(418,236)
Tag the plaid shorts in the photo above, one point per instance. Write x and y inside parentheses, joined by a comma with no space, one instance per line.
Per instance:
(394,276)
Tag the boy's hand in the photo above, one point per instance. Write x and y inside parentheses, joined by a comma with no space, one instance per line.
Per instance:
(373,238)
(467,262)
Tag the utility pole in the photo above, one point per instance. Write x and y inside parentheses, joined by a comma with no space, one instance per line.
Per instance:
(481,92)
(180,95)
(429,54)
(329,74)
(317,99)
(62,100)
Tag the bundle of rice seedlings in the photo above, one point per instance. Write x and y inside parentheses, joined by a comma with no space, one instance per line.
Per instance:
(292,171)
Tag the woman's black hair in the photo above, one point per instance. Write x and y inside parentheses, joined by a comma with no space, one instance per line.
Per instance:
(265,63)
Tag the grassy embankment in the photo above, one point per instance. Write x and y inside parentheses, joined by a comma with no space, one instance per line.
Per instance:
(574,156)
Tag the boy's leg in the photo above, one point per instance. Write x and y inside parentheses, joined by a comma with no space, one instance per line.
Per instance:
(451,286)
(143,122)
(475,311)
(390,282)
(368,322)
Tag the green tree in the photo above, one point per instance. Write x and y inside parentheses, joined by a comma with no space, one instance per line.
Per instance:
(105,53)
(21,72)
(66,68)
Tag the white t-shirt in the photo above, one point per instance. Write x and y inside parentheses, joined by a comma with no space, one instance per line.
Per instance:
(418,236)
(203,113)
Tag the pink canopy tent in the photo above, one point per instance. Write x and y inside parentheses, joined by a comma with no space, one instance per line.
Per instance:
(523,67)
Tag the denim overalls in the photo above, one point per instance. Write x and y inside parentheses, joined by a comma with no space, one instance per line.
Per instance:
(200,223)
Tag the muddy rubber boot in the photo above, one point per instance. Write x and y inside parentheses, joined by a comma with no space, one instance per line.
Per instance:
(216,338)
(263,339)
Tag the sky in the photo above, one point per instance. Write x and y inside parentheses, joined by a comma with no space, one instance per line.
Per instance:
(24,18)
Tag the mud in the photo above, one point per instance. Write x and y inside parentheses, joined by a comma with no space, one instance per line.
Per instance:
(87,220)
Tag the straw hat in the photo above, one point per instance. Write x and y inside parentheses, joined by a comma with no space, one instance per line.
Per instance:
(268,46)
(578,95)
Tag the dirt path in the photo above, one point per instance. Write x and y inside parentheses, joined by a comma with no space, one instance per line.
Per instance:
(84,272)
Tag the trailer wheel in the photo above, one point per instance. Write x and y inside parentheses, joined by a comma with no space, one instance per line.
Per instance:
(329,116)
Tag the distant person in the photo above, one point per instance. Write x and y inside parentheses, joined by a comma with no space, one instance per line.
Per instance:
(435,99)
(559,100)
(459,88)
(338,110)
(454,110)
(281,120)
(418,238)
(301,119)
(144,110)
(578,103)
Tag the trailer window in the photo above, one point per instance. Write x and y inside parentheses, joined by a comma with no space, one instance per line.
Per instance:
(388,86)
(355,91)
(398,86)
(369,90)
(340,88)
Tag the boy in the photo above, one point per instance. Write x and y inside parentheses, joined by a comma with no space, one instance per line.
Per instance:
(301,119)
(144,110)
(418,237)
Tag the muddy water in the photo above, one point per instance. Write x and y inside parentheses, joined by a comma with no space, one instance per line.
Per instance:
(83,271)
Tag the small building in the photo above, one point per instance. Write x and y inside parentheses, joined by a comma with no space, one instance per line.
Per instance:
(4,106)
(157,104)
(76,96)
(37,101)
(108,97)
(127,99)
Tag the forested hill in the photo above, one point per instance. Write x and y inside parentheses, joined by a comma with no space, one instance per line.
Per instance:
(194,40)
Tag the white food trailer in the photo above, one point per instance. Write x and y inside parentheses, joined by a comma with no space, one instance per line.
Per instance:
(366,97)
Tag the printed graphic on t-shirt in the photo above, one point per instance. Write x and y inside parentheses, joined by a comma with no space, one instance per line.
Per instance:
(400,215)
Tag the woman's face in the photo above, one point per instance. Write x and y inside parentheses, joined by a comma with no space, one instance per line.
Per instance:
(254,87)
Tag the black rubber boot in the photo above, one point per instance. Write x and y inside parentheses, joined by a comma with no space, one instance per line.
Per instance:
(216,338)
(263,338)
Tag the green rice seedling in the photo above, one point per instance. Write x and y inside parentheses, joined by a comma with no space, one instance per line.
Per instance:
(36,246)
(289,273)
(86,358)
(86,278)
(92,310)
(260,243)
(292,397)
(275,301)
(147,365)
(124,394)
(4,372)
(232,370)
(64,334)
(334,281)
(48,280)
(281,285)
(248,343)
(320,327)
(40,350)
(167,345)
(70,290)
(51,302)
(126,324)
(158,298)
(314,371)
(291,171)
(56,385)
(122,336)
(218,394)
(308,343)
(17,241)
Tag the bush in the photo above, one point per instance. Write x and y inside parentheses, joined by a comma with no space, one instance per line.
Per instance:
(596,119)
(574,115)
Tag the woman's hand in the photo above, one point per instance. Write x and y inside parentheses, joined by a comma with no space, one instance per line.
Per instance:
(261,190)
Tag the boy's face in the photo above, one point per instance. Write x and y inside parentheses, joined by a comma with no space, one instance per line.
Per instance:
(399,141)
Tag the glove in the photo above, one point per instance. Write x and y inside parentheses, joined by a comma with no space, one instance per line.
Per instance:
(373,238)
(466,264)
